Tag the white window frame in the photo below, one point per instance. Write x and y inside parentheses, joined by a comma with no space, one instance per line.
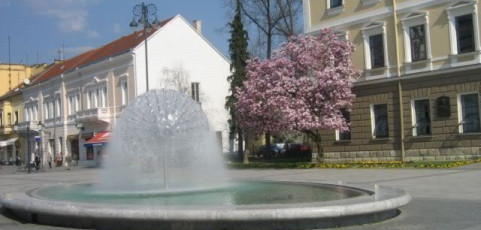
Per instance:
(89,99)
(336,10)
(104,96)
(338,134)
(416,19)
(70,104)
(124,92)
(195,91)
(370,2)
(371,29)
(373,120)
(414,118)
(460,8)
(343,35)
(460,109)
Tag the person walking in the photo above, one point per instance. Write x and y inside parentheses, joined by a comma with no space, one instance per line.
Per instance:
(49,159)
(37,162)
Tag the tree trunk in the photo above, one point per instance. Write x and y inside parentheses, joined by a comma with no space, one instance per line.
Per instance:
(240,148)
(316,137)
(245,159)
(268,139)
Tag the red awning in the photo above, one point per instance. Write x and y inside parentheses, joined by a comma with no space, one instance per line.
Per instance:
(99,139)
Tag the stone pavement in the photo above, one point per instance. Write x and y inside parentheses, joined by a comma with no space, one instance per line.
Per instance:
(445,199)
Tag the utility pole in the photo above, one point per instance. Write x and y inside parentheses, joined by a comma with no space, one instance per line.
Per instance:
(9,67)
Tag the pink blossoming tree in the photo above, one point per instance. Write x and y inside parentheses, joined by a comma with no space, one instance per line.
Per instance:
(302,88)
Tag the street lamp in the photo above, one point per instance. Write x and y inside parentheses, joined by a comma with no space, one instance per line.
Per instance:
(144,14)
(40,129)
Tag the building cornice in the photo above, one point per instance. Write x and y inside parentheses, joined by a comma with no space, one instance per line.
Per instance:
(374,15)
(416,76)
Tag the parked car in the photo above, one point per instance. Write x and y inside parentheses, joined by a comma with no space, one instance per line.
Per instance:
(297,150)
(269,151)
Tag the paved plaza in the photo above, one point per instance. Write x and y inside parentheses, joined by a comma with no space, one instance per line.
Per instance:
(448,199)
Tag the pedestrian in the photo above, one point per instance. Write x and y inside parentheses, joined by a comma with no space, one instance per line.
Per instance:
(37,162)
(75,159)
(49,159)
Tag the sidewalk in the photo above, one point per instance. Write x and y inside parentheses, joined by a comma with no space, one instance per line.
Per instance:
(444,199)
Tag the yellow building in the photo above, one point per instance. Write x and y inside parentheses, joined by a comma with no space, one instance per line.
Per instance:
(11,108)
(11,113)
(419,94)
(11,76)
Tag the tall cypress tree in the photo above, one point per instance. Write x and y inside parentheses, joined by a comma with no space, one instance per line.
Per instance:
(238,56)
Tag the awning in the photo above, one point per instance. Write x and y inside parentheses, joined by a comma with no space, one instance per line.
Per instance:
(99,139)
(8,142)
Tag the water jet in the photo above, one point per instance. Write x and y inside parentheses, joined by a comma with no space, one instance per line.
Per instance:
(164,170)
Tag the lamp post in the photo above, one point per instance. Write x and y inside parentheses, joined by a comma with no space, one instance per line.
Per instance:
(40,129)
(144,14)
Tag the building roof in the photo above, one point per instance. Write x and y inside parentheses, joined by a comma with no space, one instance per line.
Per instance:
(119,46)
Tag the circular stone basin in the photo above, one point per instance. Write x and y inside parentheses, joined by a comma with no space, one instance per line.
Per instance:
(243,205)
(242,193)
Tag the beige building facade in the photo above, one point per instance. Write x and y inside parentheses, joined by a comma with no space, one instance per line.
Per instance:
(418,97)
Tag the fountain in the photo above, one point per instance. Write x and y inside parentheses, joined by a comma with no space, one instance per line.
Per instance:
(164,170)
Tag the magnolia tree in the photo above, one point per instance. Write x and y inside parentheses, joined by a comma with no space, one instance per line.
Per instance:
(302,88)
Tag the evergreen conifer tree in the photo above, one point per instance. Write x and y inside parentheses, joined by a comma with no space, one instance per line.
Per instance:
(238,56)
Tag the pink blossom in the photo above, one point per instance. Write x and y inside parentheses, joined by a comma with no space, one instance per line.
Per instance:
(303,87)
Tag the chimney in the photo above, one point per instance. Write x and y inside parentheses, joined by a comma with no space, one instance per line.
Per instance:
(197,24)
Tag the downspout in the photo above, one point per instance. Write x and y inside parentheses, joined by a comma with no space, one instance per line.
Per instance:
(399,85)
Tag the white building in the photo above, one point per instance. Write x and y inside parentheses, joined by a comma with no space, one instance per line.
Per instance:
(83,96)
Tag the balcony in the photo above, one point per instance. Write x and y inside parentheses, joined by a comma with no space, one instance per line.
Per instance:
(53,121)
(94,116)
(5,130)
(22,127)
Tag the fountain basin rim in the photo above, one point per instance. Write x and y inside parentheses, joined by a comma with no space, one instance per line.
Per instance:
(386,199)
(33,192)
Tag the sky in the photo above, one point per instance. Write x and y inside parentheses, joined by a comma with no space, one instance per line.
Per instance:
(45,26)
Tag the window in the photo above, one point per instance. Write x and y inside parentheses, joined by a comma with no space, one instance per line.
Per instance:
(9,118)
(417,36)
(334,7)
(70,105)
(417,46)
(465,33)
(379,121)
(91,102)
(73,103)
(376,47)
(57,107)
(1,119)
(421,118)
(45,105)
(346,135)
(195,91)
(104,97)
(77,102)
(16,117)
(124,90)
(469,113)
(98,98)
(463,27)
(335,3)
(35,112)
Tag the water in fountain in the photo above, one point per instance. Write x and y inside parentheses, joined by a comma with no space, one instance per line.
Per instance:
(162,143)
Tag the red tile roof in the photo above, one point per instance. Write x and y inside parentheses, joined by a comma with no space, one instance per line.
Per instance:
(114,48)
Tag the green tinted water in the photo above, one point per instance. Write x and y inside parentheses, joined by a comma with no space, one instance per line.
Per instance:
(249,193)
